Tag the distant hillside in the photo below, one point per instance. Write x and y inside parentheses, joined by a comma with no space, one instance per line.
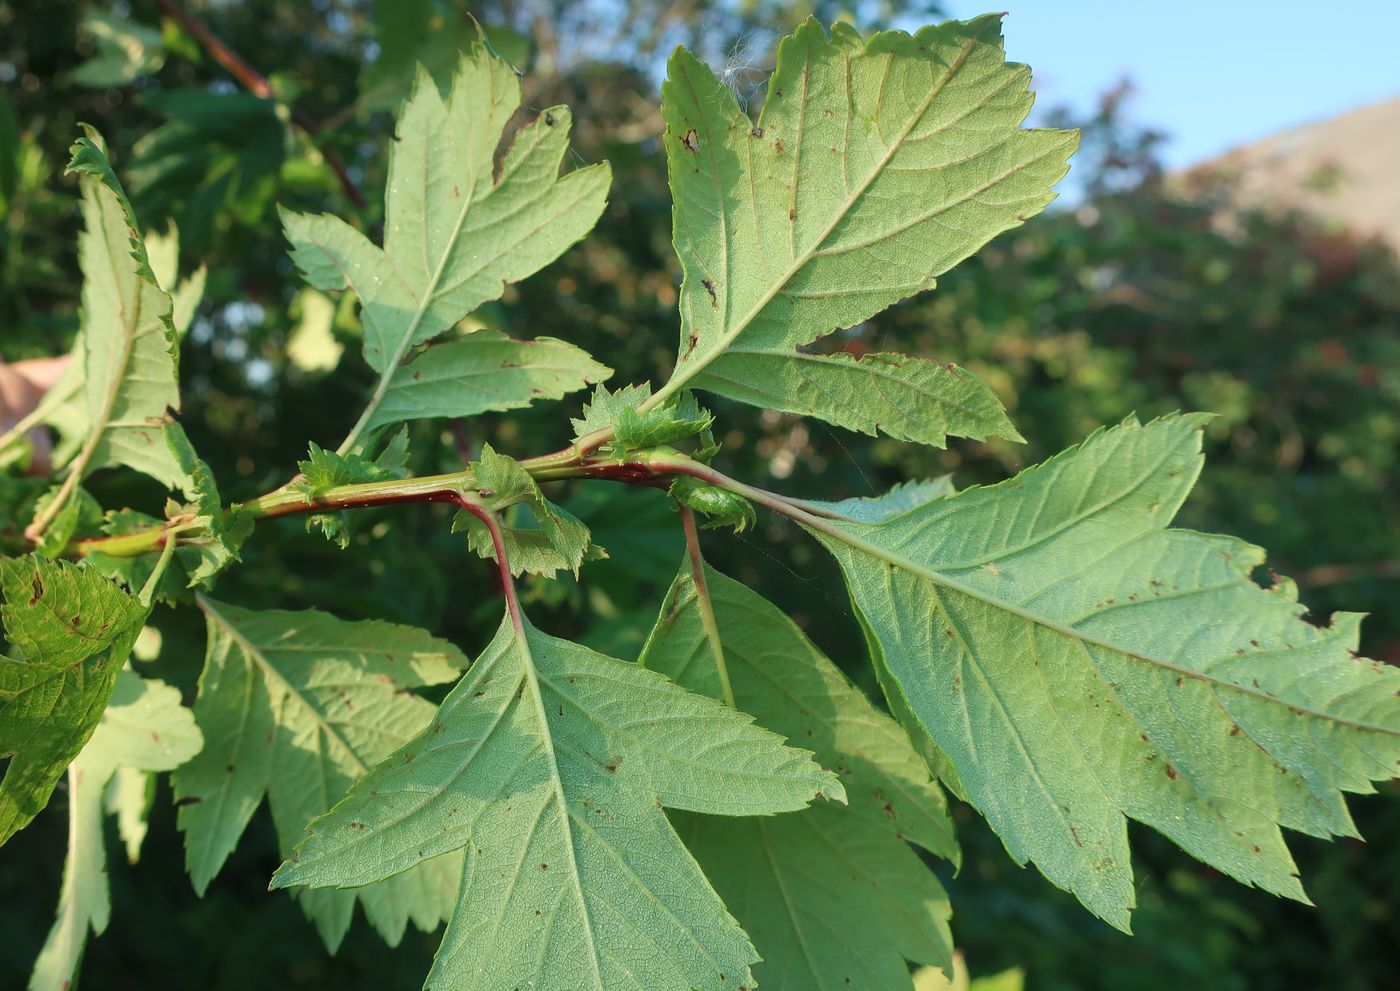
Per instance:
(1346,168)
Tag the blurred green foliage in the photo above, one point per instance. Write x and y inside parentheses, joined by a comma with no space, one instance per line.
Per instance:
(1148,293)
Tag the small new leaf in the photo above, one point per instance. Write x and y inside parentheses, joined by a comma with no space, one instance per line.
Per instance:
(718,507)
(75,629)
(549,764)
(556,542)
(1079,664)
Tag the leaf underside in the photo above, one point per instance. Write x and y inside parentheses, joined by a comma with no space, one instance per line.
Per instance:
(549,764)
(833,897)
(874,167)
(1080,664)
(297,706)
(459,227)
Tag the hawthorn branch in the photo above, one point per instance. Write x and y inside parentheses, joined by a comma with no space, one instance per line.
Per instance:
(257,84)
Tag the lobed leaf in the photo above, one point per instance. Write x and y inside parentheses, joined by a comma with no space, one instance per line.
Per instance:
(1080,664)
(549,764)
(458,228)
(833,897)
(875,166)
(297,706)
(129,344)
(144,729)
(557,542)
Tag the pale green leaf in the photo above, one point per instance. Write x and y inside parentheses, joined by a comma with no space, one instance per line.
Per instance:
(550,764)
(312,345)
(481,372)
(144,729)
(297,706)
(832,897)
(129,361)
(874,167)
(1080,664)
(458,226)
(123,51)
(897,501)
(893,394)
(185,294)
(75,629)
(129,797)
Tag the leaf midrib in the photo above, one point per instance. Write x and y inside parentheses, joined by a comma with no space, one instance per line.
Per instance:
(721,344)
(895,560)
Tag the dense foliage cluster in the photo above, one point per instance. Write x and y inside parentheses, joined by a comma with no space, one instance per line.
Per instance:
(1048,648)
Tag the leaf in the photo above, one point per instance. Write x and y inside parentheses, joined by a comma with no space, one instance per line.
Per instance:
(144,729)
(1081,664)
(457,229)
(75,630)
(550,764)
(298,705)
(324,470)
(558,541)
(874,167)
(484,371)
(897,501)
(833,896)
(223,530)
(312,345)
(123,51)
(185,294)
(902,397)
(720,508)
(218,154)
(634,429)
(130,356)
(412,33)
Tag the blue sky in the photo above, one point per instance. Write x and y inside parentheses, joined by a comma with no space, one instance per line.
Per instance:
(1211,74)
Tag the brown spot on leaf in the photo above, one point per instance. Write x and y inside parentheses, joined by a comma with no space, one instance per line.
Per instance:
(710,288)
(691,141)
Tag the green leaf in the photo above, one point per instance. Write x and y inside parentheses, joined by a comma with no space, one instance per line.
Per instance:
(719,507)
(458,228)
(893,394)
(413,34)
(1081,664)
(635,429)
(324,470)
(557,542)
(550,763)
(75,629)
(481,372)
(833,897)
(896,502)
(298,705)
(130,357)
(874,167)
(218,155)
(223,530)
(123,51)
(144,729)
(185,294)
